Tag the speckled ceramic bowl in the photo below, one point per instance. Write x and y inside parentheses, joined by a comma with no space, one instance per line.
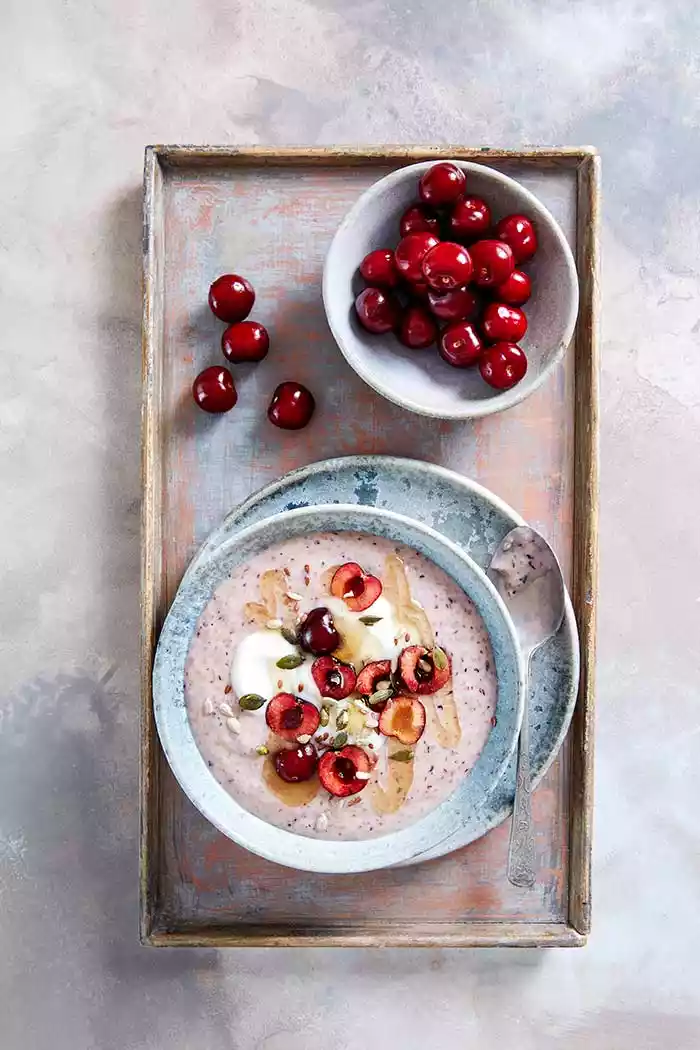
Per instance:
(219,806)
(420,380)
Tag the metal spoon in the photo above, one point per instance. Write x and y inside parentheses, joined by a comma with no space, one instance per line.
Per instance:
(529,579)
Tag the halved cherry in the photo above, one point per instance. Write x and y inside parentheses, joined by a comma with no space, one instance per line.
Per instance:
(373,677)
(296,763)
(404,718)
(333,678)
(337,771)
(424,670)
(357,589)
(290,717)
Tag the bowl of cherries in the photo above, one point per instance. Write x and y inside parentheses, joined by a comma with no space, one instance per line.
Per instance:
(451,289)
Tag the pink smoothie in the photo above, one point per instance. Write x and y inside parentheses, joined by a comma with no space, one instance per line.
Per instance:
(238,641)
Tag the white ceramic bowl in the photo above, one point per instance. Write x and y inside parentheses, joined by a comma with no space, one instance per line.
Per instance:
(420,380)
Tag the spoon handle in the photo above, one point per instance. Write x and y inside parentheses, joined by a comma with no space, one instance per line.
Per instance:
(521,851)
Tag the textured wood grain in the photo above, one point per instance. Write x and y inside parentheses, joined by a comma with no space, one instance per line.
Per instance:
(271,214)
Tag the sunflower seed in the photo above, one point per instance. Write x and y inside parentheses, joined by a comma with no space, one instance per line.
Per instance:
(303,739)
(273,625)
(402,756)
(361,775)
(233,724)
(251,702)
(439,658)
(288,663)
(208,707)
(293,596)
(322,822)
(226,710)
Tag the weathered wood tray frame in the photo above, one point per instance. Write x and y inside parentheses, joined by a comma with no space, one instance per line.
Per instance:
(159,927)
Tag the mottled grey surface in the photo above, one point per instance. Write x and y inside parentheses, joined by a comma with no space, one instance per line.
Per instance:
(83,87)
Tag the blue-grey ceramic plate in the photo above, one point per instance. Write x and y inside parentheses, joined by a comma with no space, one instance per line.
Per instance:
(477,520)
(214,801)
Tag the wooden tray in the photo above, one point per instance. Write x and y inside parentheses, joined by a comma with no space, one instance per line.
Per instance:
(270,214)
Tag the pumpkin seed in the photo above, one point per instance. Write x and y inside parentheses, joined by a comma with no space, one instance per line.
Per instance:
(339,740)
(262,749)
(380,696)
(288,663)
(342,720)
(439,658)
(370,621)
(289,635)
(251,702)
(402,756)
(324,716)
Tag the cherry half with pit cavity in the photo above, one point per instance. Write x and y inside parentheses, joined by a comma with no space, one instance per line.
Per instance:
(291,407)
(518,232)
(333,678)
(245,341)
(214,390)
(493,262)
(337,771)
(503,365)
(231,297)
(378,310)
(374,676)
(447,266)
(441,185)
(424,670)
(317,632)
(296,764)
(290,717)
(403,717)
(503,323)
(358,589)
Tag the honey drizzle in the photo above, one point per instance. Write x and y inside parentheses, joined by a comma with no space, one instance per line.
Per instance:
(391,797)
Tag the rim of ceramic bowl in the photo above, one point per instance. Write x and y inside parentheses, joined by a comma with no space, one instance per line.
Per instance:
(211,797)
(499,402)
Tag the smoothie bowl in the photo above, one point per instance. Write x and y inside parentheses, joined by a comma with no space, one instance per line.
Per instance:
(327,680)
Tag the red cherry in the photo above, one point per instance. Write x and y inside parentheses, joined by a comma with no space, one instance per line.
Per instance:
(213,389)
(419,219)
(245,341)
(378,311)
(518,232)
(418,292)
(418,329)
(373,677)
(461,345)
(447,266)
(231,297)
(420,672)
(333,678)
(515,290)
(291,407)
(503,365)
(357,588)
(289,716)
(503,323)
(379,269)
(461,304)
(470,219)
(493,262)
(296,764)
(442,184)
(403,717)
(337,771)
(317,632)
(410,253)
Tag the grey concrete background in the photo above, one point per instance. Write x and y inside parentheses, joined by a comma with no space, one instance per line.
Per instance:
(83,87)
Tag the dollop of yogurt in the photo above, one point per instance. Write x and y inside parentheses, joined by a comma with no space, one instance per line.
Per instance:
(254,668)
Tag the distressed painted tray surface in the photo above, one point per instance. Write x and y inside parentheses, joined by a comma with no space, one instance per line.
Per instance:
(271,217)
